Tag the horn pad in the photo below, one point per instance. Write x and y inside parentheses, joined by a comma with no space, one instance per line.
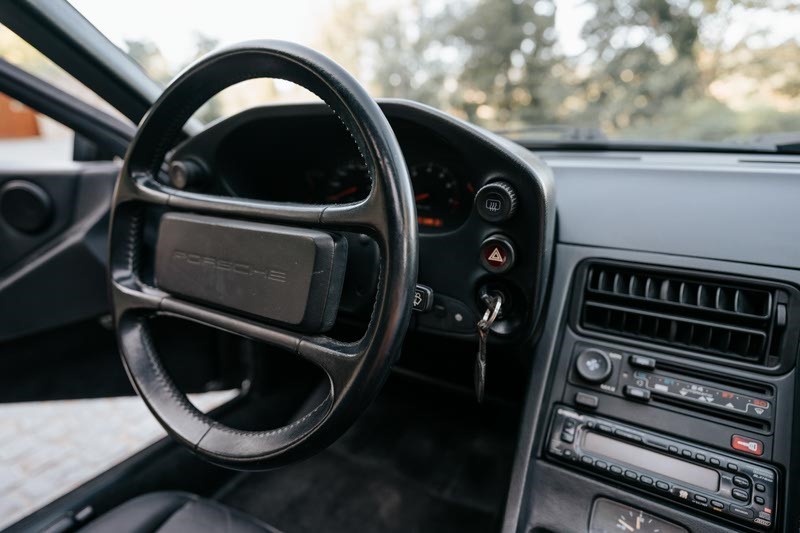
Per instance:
(293,276)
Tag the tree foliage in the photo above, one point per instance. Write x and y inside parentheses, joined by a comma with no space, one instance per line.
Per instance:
(649,66)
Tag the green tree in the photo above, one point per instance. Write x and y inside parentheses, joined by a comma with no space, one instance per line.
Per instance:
(643,56)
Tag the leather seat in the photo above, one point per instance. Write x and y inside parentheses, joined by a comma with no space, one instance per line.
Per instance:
(175,512)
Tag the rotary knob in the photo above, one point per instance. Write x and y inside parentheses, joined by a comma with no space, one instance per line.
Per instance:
(496,201)
(593,365)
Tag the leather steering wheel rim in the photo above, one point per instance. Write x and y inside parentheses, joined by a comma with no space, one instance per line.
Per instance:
(356,370)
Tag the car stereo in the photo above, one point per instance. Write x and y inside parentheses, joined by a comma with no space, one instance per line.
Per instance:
(699,477)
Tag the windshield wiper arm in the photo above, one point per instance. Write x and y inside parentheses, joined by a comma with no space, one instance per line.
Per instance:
(785,142)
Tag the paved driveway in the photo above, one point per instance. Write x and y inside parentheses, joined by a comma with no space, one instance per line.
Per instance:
(49,448)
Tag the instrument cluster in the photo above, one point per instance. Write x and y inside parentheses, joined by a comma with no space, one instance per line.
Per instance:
(443,196)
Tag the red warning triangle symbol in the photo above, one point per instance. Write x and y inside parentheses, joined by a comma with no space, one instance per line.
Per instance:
(496,256)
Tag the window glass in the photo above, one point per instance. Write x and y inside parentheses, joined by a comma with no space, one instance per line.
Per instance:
(21,54)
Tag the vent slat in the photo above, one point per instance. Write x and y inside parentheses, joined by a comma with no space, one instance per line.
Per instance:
(705,296)
(681,309)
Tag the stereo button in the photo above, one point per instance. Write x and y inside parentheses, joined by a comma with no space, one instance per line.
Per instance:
(759,500)
(741,481)
(760,487)
(681,493)
(602,465)
(741,495)
(614,469)
(717,505)
(657,444)
(700,498)
(700,457)
(661,485)
(714,461)
(627,435)
(587,460)
(646,480)
(742,511)
(747,445)
(630,474)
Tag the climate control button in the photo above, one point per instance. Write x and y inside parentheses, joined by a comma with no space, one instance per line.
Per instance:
(593,365)
(496,202)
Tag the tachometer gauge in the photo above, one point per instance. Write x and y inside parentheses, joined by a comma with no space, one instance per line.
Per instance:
(349,183)
(439,196)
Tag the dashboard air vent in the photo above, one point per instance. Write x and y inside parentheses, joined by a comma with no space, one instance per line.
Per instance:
(725,317)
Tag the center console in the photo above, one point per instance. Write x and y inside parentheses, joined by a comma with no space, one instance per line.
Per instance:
(669,398)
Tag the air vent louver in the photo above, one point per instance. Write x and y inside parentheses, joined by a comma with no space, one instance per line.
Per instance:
(684,310)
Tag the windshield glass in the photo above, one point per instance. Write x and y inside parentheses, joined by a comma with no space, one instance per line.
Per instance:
(675,70)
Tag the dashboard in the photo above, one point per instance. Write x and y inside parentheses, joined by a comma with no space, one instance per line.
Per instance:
(658,314)
(303,154)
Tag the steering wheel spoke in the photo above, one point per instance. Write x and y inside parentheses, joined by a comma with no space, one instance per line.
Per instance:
(335,357)
(363,216)
(128,298)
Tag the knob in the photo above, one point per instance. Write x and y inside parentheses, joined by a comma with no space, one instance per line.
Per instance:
(593,365)
(496,201)
(185,173)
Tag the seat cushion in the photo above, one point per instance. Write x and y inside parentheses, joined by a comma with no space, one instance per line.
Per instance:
(174,512)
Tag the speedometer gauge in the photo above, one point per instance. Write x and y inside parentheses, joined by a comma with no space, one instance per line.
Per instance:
(439,196)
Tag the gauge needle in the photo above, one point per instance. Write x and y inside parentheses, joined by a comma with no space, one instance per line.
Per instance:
(341,194)
(627,525)
(422,196)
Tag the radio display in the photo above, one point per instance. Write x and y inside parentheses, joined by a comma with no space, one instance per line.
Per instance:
(664,465)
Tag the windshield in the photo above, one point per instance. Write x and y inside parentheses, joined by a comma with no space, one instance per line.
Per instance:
(670,70)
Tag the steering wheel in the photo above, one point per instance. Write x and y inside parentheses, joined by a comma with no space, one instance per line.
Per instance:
(210,249)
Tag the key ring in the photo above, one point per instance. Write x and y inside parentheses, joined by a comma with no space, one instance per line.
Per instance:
(490,315)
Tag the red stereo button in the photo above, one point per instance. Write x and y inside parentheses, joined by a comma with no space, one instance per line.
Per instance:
(747,445)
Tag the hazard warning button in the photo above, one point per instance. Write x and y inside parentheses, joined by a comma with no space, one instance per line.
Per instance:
(497,254)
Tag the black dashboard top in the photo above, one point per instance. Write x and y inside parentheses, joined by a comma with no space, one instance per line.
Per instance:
(716,206)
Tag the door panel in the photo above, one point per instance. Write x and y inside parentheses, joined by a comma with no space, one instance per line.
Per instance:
(56,275)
